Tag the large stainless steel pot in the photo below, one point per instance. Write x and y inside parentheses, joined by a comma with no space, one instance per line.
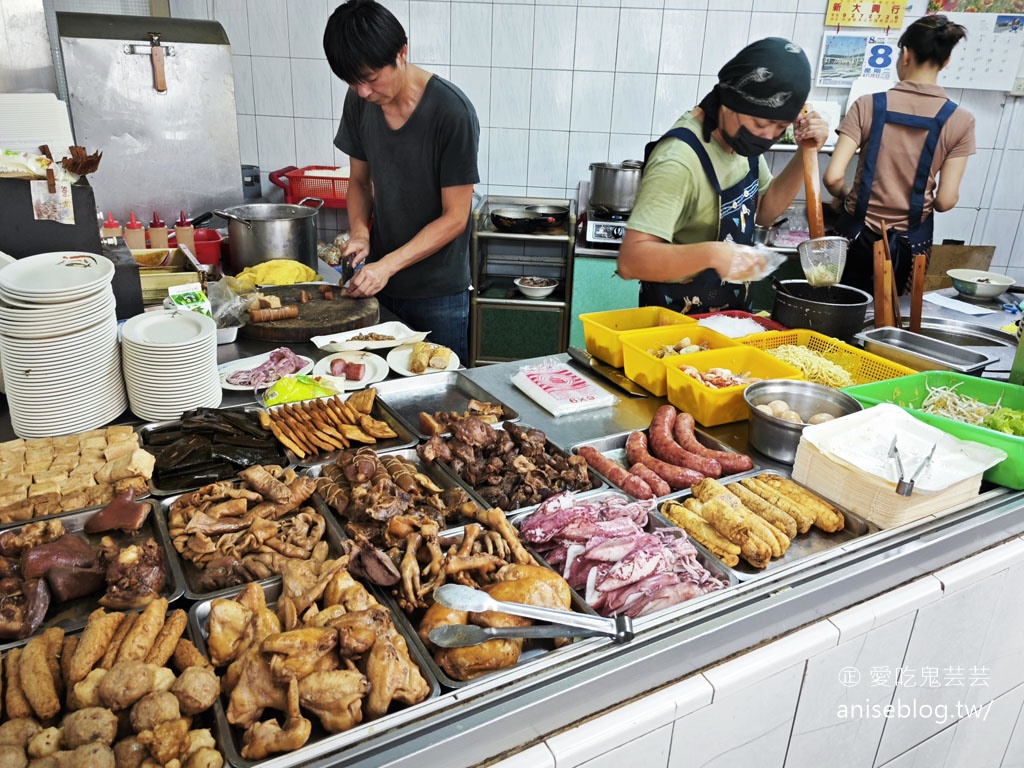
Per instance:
(263,231)
(837,310)
(613,186)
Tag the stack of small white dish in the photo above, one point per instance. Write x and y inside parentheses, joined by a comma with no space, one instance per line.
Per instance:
(58,344)
(170,363)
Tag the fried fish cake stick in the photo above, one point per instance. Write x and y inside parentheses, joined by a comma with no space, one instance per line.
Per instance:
(754,549)
(93,642)
(764,509)
(804,518)
(114,647)
(167,640)
(16,703)
(701,530)
(37,680)
(777,540)
(142,635)
(67,652)
(54,637)
(826,516)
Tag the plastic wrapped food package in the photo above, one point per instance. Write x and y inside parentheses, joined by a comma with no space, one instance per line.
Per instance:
(560,390)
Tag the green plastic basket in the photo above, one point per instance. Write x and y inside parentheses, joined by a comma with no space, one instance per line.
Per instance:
(909,392)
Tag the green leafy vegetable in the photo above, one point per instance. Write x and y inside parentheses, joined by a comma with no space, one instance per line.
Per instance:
(1006,420)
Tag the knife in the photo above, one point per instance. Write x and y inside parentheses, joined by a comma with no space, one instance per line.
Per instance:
(605,371)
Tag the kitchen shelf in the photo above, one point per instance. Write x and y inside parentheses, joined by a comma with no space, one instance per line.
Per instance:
(504,324)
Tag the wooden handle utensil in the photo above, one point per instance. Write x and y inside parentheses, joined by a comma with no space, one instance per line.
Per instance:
(812,185)
(917,292)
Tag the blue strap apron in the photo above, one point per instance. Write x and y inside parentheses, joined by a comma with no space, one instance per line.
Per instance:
(705,291)
(918,236)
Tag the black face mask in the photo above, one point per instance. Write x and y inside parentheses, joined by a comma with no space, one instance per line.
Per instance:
(749,144)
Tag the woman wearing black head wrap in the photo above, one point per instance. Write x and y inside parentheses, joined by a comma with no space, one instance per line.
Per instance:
(705,184)
(908,136)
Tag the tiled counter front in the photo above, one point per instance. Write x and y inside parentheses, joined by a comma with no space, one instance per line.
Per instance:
(930,673)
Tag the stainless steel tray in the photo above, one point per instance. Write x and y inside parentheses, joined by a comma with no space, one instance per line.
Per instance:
(146,430)
(19,523)
(434,472)
(614,448)
(656,522)
(405,439)
(804,547)
(190,573)
(74,614)
(535,652)
(923,353)
(448,391)
(320,742)
(598,483)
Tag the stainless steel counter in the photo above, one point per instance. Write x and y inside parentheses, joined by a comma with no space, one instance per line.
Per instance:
(502,714)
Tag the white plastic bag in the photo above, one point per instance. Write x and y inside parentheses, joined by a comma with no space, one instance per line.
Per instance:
(559,389)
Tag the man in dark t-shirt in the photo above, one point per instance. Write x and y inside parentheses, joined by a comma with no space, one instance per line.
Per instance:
(412,140)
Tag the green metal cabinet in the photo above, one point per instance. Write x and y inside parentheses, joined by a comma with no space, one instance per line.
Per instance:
(596,288)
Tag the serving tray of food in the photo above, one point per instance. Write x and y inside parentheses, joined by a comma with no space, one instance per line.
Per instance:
(365,675)
(206,445)
(365,490)
(233,532)
(662,460)
(317,431)
(510,466)
(118,557)
(762,522)
(136,692)
(427,405)
(44,477)
(489,555)
(620,556)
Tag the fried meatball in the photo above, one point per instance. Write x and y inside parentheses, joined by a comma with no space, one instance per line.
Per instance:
(44,743)
(129,753)
(153,709)
(92,724)
(204,757)
(196,688)
(50,761)
(17,732)
(125,683)
(94,755)
(12,757)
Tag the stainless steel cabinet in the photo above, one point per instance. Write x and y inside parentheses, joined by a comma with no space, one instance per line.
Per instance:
(505,325)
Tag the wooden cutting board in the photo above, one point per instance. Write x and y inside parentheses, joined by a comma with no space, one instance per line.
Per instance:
(317,317)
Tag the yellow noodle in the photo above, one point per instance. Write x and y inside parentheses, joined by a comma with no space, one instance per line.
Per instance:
(816,368)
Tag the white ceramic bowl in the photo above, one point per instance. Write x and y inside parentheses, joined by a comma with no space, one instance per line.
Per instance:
(978,284)
(536,291)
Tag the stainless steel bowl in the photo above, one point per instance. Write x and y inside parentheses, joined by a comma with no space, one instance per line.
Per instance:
(778,438)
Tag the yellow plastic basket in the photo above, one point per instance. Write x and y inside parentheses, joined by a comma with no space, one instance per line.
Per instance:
(649,371)
(602,329)
(864,367)
(709,406)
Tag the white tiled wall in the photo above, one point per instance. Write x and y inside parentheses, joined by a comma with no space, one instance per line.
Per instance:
(558,84)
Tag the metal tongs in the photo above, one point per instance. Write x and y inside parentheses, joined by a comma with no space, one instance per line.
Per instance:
(564,623)
(905,487)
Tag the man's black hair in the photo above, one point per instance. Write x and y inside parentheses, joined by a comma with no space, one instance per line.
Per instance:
(362,36)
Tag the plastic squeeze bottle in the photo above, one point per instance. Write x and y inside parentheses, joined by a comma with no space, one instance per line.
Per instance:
(135,234)
(157,232)
(111,227)
(185,233)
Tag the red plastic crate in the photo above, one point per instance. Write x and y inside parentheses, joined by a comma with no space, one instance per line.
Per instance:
(297,185)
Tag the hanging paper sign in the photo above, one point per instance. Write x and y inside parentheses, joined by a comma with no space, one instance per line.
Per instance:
(845,56)
(847,13)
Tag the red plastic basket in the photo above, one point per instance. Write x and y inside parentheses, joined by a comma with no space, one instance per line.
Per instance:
(297,184)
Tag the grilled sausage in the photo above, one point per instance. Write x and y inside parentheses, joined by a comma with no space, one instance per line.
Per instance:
(616,473)
(676,477)
(731,463)
(664,446)
(649,476)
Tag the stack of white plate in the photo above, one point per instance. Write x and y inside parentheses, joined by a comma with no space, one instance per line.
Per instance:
(170,363)
(58,344)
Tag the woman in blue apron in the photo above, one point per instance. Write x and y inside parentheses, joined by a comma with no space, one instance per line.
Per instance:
(689,237)
(906,137)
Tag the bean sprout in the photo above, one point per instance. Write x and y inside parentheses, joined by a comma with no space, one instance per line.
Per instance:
(946,401)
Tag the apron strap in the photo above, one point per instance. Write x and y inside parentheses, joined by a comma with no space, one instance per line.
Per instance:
(881,116)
